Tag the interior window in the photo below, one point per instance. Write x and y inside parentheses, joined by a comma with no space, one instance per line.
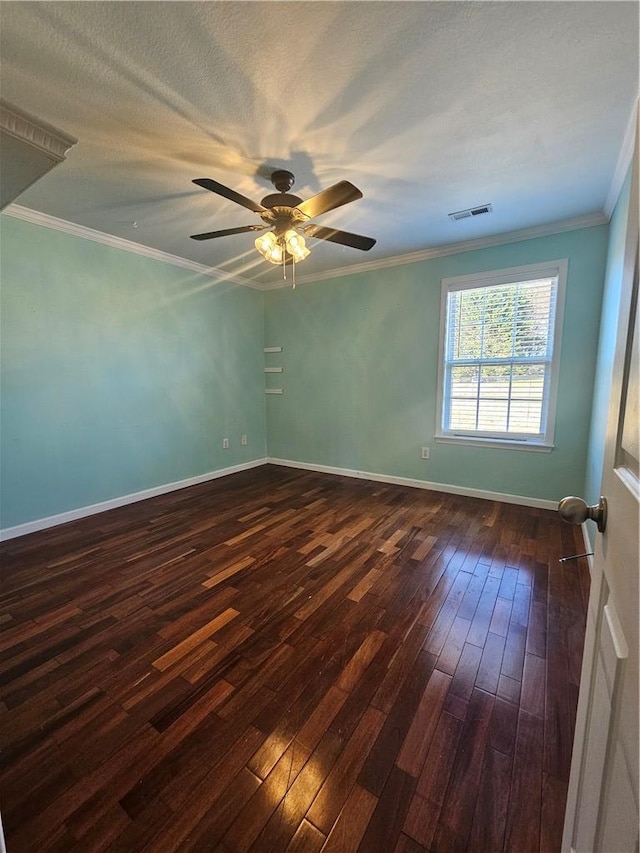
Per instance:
(499,344)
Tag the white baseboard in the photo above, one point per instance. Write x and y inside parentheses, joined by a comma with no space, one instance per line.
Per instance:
(103,506)
(520,500)
(588,547)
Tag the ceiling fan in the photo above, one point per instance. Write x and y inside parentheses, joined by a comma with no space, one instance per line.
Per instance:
(287,218)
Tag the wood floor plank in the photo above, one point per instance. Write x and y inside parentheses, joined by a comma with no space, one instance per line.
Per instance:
(513,657)
(347,831)
(215,822)
(456,816)
(533,685)
(408,845)
(384,751)
(489,821)
(445,619)
(418,740)
(404,660)
(421,821)
(356,667)
(490,663)
(283,660)
(307,839)
(438,766)
(525,799)
(321,718)
(255,814)
(504,722)
(283,824)
(385,825)
(554,800)
(233,569)
(464,677)
(484,612)
(500,619)
(453,645)
(332,795)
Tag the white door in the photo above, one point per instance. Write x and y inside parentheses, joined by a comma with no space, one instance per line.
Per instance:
(602,801)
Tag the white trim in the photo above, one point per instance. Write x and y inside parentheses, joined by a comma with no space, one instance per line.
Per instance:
(615,630)
(47,221)
(502,443)
(629,481)
(588,221)
(588,547)
(519,500)
(17,211)
(114,503)
(623,163)
(37,133)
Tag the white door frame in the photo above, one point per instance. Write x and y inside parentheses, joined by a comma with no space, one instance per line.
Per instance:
(600,735)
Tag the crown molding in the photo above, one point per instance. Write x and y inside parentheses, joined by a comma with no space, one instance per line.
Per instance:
(587,221)
(17,211)
(52,141)
(46,220)
(623,163)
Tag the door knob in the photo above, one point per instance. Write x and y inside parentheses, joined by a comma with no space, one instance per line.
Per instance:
(574,511)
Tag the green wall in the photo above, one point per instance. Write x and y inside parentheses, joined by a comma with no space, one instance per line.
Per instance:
(606,345)
(360,372)
(119,373)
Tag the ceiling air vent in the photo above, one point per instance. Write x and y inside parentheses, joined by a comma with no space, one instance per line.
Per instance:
(471,211)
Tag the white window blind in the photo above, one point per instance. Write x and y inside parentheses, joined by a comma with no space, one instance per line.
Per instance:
(498,359)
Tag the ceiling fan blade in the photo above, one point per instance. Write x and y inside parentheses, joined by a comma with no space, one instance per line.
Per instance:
(335,196)
(356,241)
(228,231)
(232,195)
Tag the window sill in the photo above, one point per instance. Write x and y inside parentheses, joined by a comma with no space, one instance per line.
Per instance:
(500,443)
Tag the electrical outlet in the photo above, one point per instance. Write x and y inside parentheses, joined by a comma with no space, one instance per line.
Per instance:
(426,453)
(225,443)
(243,440)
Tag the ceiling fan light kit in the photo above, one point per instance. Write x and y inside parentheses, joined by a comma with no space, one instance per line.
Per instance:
(287,217)
(278,248)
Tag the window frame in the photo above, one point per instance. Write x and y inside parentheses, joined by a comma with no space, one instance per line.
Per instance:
(545,442)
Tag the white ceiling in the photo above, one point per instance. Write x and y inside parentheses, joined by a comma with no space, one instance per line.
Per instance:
(428,107)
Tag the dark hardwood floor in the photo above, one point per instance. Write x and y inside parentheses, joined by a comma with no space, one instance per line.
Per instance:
(289,661)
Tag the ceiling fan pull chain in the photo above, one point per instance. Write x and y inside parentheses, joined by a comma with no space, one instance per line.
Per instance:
(294,275)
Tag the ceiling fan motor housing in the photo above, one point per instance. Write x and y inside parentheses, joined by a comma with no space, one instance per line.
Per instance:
(282,203)
(281,200)
(282,180)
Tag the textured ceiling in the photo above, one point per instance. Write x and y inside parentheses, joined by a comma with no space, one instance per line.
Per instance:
(427,107)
